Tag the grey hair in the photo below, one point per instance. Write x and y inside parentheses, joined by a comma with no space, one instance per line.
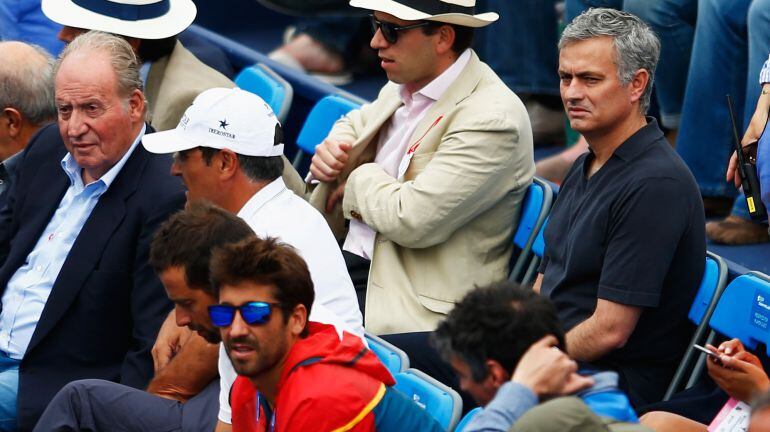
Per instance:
(636,45)
(26,84)
(124,61)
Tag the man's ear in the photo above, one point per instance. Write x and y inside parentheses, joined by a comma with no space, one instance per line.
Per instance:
(227,163)
(638,84)
(298,319)
(497,373)
(12,121)
(136,106)
(446,38)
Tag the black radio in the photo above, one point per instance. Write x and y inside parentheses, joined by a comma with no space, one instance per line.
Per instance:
(747,169)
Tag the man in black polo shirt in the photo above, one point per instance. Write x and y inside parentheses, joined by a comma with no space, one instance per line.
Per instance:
(625,242)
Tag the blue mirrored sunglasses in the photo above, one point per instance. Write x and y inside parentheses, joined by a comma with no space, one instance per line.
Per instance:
(253,313)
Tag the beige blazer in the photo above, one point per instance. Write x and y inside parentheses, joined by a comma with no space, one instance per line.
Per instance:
(447,224)
(175,81)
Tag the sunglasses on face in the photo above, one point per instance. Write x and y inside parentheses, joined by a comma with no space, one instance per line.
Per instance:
(390,30)
(253,313)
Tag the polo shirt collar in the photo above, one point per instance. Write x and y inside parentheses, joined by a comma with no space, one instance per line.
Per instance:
(267,193)
(637,143)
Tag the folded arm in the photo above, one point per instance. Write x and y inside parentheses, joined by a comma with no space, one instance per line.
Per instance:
(473,169)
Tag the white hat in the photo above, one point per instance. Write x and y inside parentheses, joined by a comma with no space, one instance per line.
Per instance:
(143,19)
(459,12)
(222,118)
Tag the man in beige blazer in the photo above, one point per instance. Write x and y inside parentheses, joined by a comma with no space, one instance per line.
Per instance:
(431,174)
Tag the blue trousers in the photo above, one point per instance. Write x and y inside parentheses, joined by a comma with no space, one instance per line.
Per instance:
(732,40)
(521,46)
(9,389)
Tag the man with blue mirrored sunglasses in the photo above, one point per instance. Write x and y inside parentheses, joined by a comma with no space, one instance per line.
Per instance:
(294,374)
(180,256)
(253,313)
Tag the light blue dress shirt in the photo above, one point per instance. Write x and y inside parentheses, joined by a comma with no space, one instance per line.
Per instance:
(29,288)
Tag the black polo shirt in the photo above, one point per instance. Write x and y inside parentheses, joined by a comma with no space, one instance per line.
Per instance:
(633,234)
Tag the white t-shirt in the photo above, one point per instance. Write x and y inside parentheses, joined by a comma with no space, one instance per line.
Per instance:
(275,211)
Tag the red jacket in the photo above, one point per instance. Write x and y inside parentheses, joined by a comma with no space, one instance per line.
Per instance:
(326,384)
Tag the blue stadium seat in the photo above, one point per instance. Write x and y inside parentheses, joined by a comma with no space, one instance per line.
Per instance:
(467,419)
(613,404)
(441,402)
(263,82)
(319,123)
(394,359)
(538,249)
(711,287)
(743,310)
(534,210)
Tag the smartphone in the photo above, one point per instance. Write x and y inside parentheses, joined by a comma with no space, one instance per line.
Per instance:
(707,351)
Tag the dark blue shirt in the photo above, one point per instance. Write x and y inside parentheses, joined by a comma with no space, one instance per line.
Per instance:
(633,233)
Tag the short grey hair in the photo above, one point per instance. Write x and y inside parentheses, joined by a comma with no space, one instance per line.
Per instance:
(124,61)
(636,45)
(26,84)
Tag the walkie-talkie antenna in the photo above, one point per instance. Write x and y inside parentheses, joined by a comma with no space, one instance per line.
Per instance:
(736,136)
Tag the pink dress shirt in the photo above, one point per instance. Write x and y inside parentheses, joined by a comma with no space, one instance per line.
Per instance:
(394,142)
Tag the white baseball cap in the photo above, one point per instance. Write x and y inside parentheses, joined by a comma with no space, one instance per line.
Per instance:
(223,118)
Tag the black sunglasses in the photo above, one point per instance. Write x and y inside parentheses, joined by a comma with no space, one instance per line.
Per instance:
(390,30)
(254,313)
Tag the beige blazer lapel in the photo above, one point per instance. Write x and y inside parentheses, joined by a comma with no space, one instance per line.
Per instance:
(431,123)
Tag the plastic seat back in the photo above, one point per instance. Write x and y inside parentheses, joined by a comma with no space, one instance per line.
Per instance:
(467,419)
(743,310)
(265,83)
(441,402)
(711,287)
(319,123)
(320,120)
(394,359)
(534,210)
(613,404)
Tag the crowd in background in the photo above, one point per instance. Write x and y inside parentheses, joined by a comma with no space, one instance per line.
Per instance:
(164,267)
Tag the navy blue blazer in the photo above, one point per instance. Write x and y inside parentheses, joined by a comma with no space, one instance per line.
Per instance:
(106,305)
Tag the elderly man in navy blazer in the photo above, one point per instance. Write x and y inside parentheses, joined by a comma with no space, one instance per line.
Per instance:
(79,299)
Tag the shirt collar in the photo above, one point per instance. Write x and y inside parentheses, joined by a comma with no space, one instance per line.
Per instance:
(639,141)
(144,71)
(73,170)
(267,193)
(436,88)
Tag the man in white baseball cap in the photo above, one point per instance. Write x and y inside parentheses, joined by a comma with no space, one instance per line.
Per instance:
(227,149)
(172,75)
(451,147)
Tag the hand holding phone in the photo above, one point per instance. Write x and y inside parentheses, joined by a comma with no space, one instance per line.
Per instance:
(713,354)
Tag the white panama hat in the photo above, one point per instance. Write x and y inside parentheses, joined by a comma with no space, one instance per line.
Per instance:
(459,12)
(143,19)
(223,118)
